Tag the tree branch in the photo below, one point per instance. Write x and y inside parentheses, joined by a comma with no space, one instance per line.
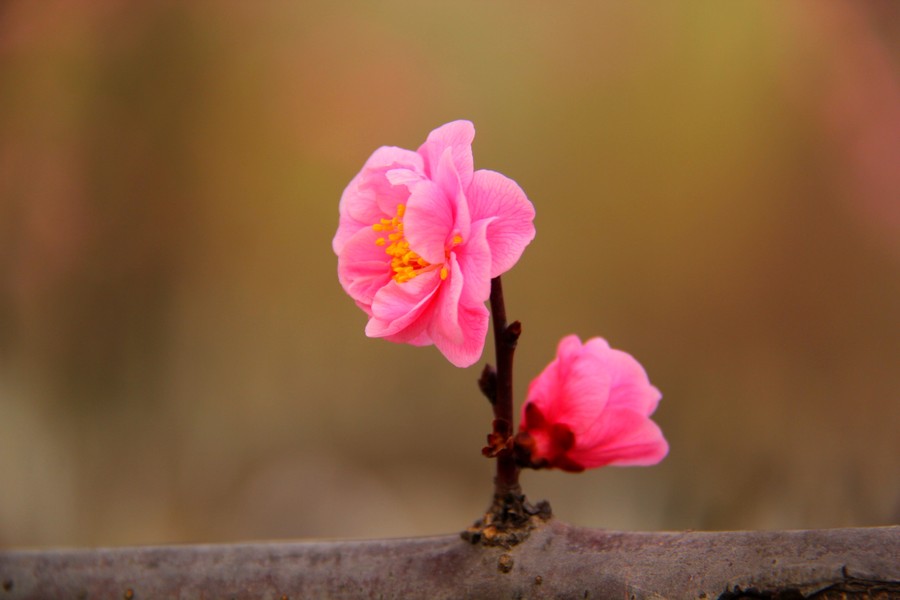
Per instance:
(556,561)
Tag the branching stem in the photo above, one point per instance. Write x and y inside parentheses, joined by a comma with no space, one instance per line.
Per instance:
(510,518)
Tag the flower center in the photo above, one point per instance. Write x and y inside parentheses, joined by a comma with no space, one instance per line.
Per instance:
(405,263)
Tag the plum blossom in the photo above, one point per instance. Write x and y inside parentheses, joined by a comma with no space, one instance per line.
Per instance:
(421,235)
(590,407)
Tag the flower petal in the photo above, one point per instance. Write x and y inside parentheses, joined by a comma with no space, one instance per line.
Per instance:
(448,179)
(494,195)
(584,394)
(626,438)
(428,221)
(374,184)
(357,210)
(458,136)
(573,389)
(568,350)
(458,330)
(414,335)
(397,306)
(631,387)
(370,196)
(474,325)
(446,313)
(363,267)
(406,177)
(474,257)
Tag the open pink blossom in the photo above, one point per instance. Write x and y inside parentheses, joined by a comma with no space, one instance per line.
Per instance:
(590,407)
(420,237)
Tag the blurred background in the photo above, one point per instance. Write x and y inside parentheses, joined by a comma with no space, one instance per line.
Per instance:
(718,193)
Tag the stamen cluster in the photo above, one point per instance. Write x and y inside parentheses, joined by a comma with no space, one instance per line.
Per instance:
(405,263)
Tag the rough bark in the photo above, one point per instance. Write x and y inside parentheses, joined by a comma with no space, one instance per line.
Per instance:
(557,561)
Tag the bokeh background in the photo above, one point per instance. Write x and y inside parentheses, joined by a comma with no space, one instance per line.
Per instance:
(718,192)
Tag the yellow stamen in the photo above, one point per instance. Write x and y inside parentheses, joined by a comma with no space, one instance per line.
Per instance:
(405,263)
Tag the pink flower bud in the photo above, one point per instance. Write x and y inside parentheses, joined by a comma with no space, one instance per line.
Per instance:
(590,407)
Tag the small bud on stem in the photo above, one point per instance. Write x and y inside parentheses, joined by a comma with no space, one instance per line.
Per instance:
(487,383)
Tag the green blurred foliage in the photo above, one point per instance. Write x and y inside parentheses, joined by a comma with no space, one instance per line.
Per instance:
(717,193)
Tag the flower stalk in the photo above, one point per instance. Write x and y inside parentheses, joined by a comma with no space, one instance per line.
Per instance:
(510,518)
(506,337)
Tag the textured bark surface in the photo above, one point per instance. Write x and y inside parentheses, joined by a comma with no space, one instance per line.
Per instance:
(557,561)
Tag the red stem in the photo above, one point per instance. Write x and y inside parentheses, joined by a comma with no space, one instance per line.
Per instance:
(505,339)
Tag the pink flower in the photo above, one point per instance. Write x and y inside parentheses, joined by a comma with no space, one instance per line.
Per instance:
(590,407)
(420,237)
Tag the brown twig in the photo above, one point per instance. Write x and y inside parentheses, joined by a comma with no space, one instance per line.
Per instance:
(509,518)
(505,339)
